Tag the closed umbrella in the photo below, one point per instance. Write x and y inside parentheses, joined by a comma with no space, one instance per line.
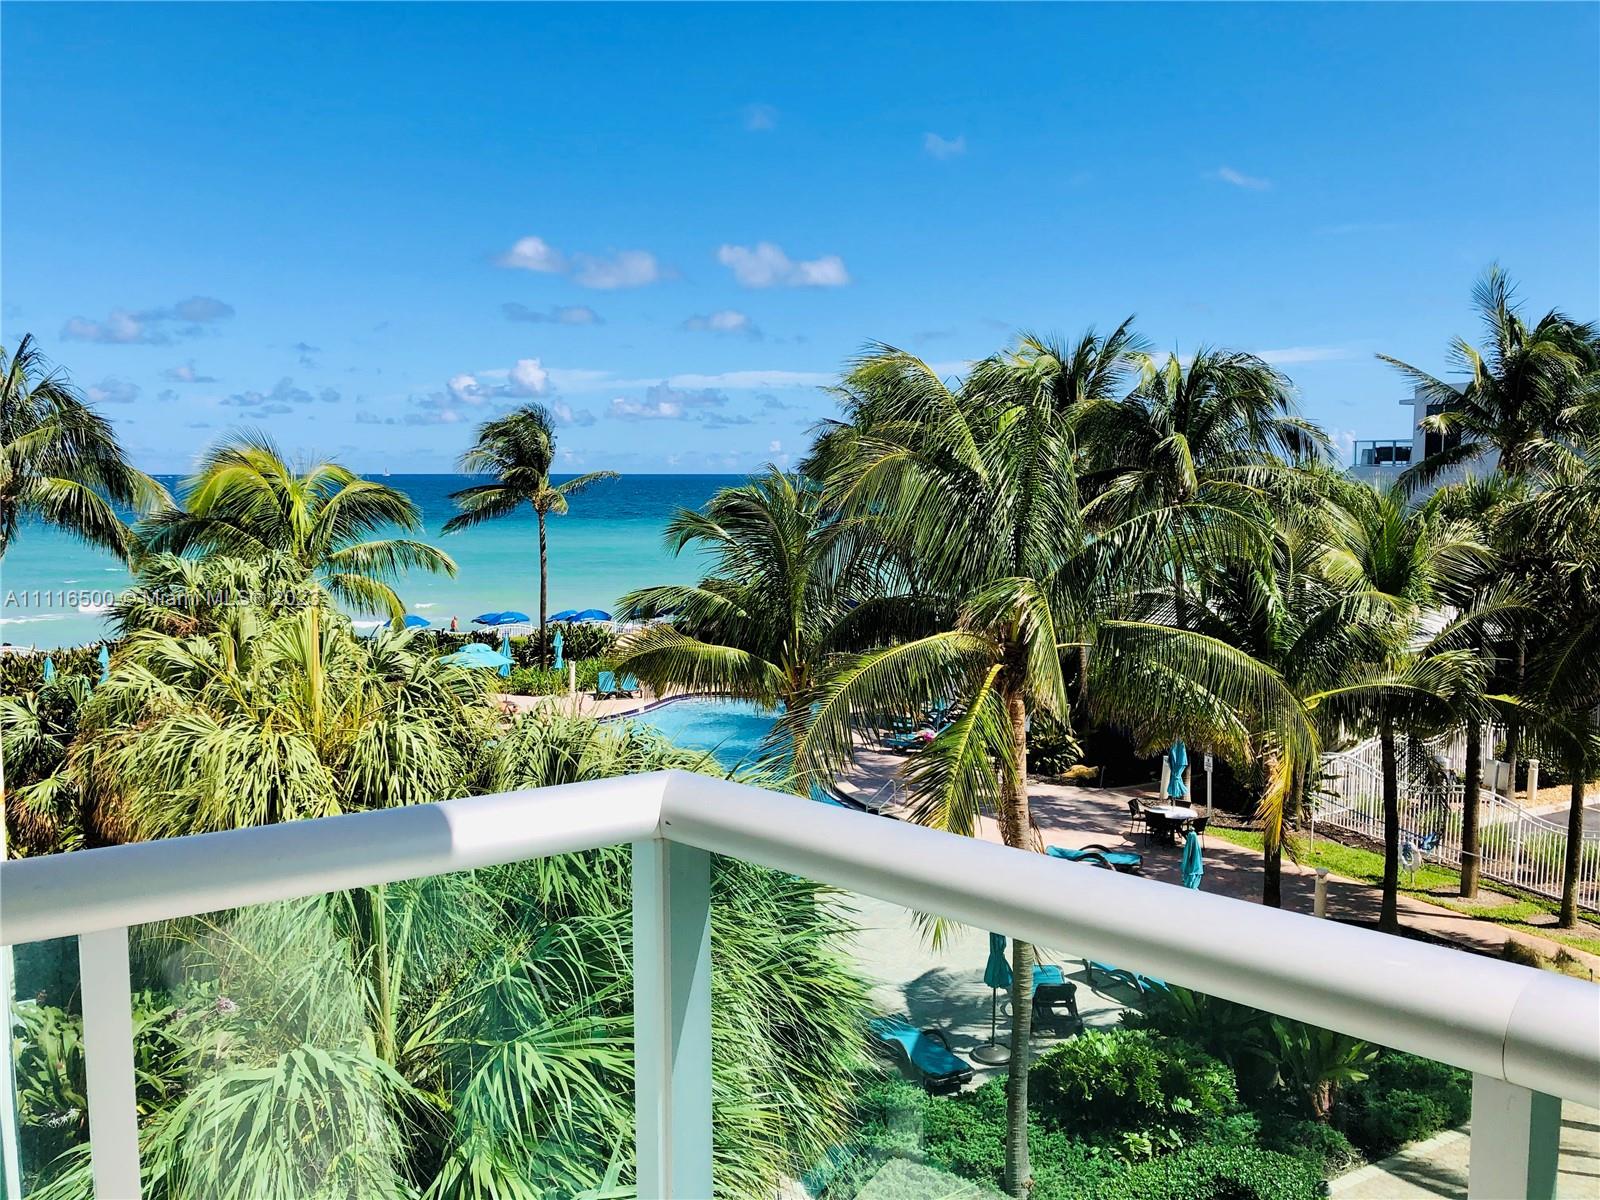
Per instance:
(1177,761)
(560,641)
(49,669)
(505,649)
(997,974)
(105,663)
(1194,865)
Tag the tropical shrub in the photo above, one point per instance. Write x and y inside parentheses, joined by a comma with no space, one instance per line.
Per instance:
(540,681)
(1207,1172)
(1133,1091)
(21,673)
(1316,1143)
(1403,1099)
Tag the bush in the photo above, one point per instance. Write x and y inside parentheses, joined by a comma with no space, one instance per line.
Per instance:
(1404,1099)
(1206,1172)
(539,681)
(21,673)
(1320,1146)
(1136,1091)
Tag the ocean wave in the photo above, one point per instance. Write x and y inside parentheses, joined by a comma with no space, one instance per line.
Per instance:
(425,604)
(368,624)
(30,620)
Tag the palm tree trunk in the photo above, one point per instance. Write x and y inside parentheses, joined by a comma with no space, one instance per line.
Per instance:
(1389,913)
(1272,875)
(1014,829)
(1568,918)
(544,591)
(1471,786)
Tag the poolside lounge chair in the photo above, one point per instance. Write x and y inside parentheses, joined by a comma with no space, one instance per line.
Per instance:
(925,1051)
(605,684)
(1117,860)
(914,741)
(1050,989)
(630,686)
(1139,983)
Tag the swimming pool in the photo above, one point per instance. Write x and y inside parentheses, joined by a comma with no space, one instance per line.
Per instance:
(731,730)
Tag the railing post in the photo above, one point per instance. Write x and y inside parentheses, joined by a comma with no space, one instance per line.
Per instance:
(1516,1141)
(672,1019)
(1533,783)
(108,1063)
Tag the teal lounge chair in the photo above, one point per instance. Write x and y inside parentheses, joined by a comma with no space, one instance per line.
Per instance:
(630,686)
(1118,860)
(1050,988)
(925,1050)
(912,741)
(1140,983)
(605,684)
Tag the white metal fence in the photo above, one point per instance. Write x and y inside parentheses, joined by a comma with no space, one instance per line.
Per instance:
(1516,847)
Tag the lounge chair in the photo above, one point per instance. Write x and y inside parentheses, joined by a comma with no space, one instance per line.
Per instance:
(1050,988)
(1101,856)
(1139,983)
(605,684)
(925,1051)
(630,686)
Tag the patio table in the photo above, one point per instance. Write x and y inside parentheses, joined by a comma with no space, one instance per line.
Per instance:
(1172,817)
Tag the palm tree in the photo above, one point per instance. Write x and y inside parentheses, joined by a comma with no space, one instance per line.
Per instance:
(1525,392)
(790,583)
(518,450)
(59,459)
(977,487)
(1401,564)
(245,501)
(1186,455)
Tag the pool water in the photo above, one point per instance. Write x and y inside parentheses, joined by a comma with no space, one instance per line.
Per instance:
(731,730)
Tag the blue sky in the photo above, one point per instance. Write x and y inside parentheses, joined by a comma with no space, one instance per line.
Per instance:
(365,228)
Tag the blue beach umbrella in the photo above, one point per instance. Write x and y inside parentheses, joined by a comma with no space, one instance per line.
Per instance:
(593,614)
(413,621)
(1177,760)
(49,669)
(560,641)
(997,974)
(512,617)
(105,662)
(489,618)
(1194,865)
(566,614)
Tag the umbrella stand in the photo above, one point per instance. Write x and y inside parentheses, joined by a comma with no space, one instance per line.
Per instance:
(994,1051)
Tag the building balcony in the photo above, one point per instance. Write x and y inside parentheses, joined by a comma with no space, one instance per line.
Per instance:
(1529,1038)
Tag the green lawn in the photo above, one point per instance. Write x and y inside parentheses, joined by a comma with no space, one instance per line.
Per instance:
(1435,884)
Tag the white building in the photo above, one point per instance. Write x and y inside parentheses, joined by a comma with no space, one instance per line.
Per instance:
(1382,462)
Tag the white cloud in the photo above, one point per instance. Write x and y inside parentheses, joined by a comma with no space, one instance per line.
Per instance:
(624,269)
(663,402)
(151,326)
(774,446)
(589,380)
(186,373)
(766,265)
(279,400)
(724,320)
(1304,354)
(942,148)
(112,390)
(528,378)
(560,314)
(565,414)
(760,118)
(465,389)
(1239,179)
(534,254)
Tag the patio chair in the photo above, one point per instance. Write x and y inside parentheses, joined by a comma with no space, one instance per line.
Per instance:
(1139,983)
(629,686)
(1125,861)
(605,684)
(925,1051)
(1199,827)
(1138,819)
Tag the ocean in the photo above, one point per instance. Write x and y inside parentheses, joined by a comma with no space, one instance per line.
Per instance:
(52,586)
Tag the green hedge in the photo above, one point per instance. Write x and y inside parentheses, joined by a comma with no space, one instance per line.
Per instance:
(21,673)
(539,681)
(1404,1099)
(578,641)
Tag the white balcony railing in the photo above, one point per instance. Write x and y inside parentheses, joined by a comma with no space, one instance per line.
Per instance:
(1531,1038)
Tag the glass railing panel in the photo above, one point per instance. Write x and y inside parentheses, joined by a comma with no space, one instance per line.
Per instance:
(467,1034)
(1137,1086)
(45,1063)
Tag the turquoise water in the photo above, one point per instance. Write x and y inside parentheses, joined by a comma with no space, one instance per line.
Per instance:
(610,542)
(730,729)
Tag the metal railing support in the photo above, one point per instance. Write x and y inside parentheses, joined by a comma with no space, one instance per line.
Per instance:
(672,1019)
(1516,1141)
(108,1064)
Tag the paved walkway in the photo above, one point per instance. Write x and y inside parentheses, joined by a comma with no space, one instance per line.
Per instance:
(1438,1166)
